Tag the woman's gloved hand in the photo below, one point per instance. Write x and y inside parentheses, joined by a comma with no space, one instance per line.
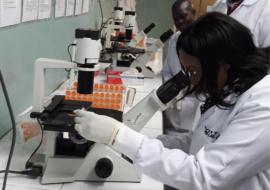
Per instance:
(97,128)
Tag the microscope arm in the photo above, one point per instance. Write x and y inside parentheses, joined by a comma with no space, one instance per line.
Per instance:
(136,40)
(41,65)
(140,62)
(141,113)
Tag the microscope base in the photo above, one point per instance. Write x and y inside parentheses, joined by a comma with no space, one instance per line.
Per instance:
(70,169)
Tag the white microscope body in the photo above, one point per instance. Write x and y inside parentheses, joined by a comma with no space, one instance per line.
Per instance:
(101,163)
(121,21)
(159,99)
(139,64)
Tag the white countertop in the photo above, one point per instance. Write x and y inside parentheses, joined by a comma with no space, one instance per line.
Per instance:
(22,151)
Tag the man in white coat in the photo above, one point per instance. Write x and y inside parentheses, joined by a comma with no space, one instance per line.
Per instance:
(254,14)
(179,117)
(229,148)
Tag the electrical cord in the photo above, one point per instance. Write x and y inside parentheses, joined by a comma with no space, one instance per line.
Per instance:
(11,171)
(29,164)
(104,24)
(101,12)
(33,173)
(6,171)
(68,49)
(70,57)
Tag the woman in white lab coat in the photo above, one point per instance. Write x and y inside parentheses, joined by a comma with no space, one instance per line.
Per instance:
(230,147)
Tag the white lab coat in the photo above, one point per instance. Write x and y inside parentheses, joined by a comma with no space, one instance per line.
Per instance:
(254,14)
(229,149)
(171,64)
(179,116)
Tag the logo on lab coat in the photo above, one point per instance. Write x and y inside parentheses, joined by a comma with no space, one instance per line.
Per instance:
(210,133)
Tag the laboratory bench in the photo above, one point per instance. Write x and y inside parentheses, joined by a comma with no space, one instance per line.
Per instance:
(23,150)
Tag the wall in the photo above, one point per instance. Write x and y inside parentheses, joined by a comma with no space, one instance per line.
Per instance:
(157,11)
(22,44)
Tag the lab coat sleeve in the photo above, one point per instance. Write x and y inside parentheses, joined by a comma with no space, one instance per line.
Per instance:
(166,70)
(241,151)
(171,64)
(178,141)
(264,33)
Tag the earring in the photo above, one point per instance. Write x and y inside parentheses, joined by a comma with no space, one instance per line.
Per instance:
(194,72)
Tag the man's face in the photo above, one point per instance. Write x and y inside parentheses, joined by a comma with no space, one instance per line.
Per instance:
(183,15)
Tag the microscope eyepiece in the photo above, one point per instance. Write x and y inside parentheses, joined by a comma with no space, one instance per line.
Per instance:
(166,35)
(172,87)
(149,28)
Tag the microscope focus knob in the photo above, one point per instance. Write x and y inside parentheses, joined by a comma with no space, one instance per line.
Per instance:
(104,167)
